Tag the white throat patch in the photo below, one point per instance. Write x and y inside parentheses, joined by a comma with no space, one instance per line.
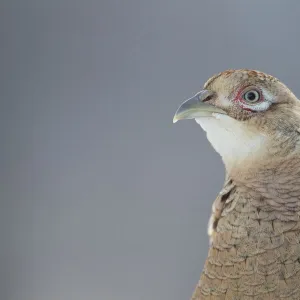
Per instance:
(232,139)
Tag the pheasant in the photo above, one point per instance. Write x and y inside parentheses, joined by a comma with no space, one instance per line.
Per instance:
(253,121)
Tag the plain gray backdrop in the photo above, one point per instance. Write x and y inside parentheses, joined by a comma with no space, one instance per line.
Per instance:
(102,196)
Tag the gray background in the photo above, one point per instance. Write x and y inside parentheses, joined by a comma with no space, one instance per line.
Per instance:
(102,197)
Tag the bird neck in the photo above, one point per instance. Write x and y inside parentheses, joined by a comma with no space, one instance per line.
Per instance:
(274,179)
(277,156)
(270,193)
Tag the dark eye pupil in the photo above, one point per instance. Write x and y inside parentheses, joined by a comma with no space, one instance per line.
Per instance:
(251,96)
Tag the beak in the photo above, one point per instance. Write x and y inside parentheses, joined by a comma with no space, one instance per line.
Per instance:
(196,108)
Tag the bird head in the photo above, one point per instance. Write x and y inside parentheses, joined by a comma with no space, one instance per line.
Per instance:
(248,116)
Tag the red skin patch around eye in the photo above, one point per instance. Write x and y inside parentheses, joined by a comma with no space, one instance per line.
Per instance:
(238,98)
(248,109)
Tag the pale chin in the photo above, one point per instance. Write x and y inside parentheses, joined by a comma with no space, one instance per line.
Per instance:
(231,138)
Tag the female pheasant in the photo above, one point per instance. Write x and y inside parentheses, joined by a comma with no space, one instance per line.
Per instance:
(253,121)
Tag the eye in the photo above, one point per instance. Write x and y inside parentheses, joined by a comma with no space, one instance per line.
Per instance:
(251,96)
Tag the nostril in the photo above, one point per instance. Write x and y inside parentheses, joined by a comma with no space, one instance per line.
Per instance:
(207,98)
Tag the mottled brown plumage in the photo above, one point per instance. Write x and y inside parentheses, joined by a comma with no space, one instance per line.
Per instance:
(255,224)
